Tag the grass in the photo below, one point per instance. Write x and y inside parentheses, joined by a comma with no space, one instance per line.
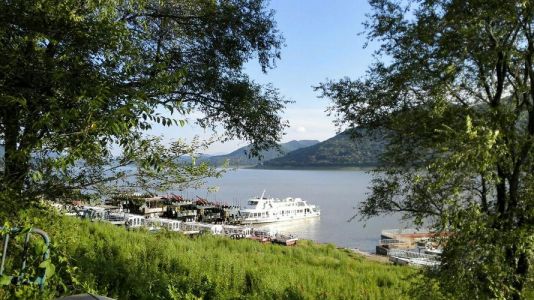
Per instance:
(109,260)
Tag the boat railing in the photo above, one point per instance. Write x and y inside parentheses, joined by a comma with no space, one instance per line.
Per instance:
(186,213)
(212,215)
(392,242)
(115,218)
(150,210)
(411,254)
(23,275)
(389,232)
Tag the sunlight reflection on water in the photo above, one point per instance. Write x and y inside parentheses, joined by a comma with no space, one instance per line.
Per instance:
(337,193)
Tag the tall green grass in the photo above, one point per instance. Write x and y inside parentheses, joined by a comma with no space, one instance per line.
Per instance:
(108,260)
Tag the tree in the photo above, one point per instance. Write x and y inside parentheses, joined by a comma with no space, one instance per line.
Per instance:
(149,167)
(453,85)
(78,77)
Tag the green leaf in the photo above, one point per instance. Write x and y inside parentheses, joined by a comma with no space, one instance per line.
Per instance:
(5,280)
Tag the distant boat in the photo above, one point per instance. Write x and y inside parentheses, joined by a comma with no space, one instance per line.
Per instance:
(287,240)
(269,210)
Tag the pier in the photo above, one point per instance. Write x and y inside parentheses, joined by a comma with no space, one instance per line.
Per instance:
(418,247)
(176,215)
(409,238)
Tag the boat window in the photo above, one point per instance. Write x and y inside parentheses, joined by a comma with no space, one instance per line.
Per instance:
(252,202)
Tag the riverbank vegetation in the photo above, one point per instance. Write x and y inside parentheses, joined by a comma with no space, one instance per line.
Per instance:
(84,80)
(109,260)
(337,152)
(453,88)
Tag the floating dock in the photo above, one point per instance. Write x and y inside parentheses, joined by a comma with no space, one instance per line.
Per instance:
(133,221)
(404,239)
(411,246)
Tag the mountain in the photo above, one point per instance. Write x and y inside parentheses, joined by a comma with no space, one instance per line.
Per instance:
(240,157)
(338,151)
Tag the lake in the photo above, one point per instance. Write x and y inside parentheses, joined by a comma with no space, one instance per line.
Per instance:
(336,192)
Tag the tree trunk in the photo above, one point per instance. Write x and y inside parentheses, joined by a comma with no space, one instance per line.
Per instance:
(16,162)
(501,191)
(521,271)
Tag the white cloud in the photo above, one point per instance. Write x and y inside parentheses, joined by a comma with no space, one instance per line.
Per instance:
(306,122)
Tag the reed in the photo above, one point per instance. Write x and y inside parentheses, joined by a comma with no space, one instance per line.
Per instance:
(112,261)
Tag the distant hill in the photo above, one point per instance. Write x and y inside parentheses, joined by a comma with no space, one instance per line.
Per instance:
(240,157)
(339,151)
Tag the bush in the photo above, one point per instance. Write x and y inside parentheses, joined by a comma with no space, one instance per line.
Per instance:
(109,260)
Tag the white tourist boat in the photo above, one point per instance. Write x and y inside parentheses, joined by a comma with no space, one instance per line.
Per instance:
(268,210)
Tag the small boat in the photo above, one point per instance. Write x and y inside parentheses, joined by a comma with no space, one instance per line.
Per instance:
(288,240)
(197,227)
(155,224)
(434,251)
(262,236)
(237,232)
(269,210)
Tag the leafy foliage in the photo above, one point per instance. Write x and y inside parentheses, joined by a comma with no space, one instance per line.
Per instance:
(339,151)
(148,167)
(454,87)
(79,77)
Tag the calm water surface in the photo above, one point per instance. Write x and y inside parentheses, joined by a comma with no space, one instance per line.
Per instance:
(336,192)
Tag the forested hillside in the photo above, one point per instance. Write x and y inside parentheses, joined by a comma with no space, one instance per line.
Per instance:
(240,157)
(339,151)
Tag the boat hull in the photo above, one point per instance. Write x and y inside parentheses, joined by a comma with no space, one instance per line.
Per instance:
(278,219)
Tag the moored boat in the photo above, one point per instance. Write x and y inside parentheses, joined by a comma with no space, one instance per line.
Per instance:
(288,240)
(268,210)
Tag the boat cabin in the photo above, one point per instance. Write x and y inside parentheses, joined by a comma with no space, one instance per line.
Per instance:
(161,223)
(237,231)
(134,221)
(201,227)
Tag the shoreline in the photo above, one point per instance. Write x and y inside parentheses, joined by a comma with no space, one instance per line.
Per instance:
(311,168)
(368,255)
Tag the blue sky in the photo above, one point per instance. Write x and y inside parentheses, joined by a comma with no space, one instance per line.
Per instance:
(322,42)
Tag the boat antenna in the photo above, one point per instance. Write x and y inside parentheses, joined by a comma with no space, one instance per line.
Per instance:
(262,194)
